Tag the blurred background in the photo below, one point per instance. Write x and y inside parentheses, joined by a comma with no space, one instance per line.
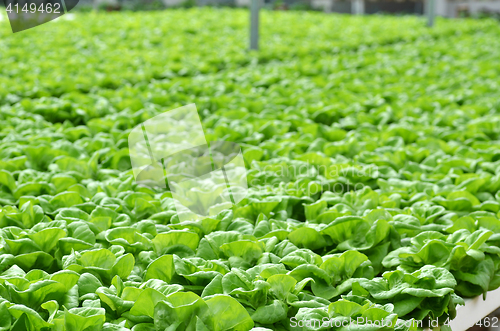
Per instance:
(445,8)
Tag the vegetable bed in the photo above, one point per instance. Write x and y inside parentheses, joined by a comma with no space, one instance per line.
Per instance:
(373,155)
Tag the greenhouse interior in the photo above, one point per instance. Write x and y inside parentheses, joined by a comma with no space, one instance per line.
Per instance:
(250,165)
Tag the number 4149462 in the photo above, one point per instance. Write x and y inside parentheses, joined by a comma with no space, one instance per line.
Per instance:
(488,322)
(33,8)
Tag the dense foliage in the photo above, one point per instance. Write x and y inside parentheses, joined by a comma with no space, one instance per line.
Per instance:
(373,151)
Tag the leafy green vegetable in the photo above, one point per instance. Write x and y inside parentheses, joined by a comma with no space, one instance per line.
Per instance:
(373,172)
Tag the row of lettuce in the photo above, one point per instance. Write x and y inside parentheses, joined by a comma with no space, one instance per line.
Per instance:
(157,272)
(108,51)
(373,174)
